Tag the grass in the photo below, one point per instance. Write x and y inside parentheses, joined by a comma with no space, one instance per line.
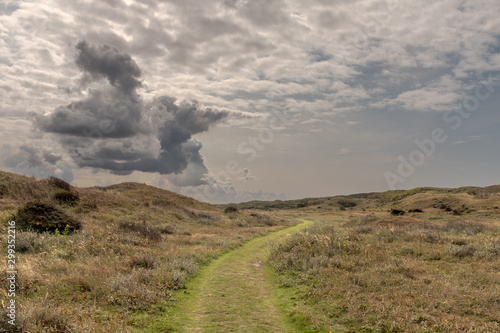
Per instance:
(359,269)
(232,294)
(377,273)
(136,246)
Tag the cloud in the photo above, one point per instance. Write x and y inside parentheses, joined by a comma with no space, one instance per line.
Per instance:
(114,129)
(103,60)
(38,161)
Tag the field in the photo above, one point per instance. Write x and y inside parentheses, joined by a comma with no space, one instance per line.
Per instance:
(136,246)
(362,271)
(134,258)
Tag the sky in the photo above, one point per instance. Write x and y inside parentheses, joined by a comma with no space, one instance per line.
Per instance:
(238,100)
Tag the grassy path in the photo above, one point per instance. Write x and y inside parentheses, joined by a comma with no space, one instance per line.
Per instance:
(235,293)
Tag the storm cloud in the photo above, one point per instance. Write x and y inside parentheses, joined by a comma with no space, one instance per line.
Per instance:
(112,128)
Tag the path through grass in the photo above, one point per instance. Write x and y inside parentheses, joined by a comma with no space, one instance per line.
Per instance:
(235,293)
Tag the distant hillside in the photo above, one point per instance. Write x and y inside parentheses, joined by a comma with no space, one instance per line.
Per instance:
(417,198)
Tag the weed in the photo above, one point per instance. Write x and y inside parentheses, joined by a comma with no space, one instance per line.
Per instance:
(29,242)
(141,229)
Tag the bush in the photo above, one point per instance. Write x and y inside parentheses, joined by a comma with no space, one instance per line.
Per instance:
(141,229)
(415,210)
(397,212)
(40,217)
(65,197)
(59,183)
(347,203)
(230,209)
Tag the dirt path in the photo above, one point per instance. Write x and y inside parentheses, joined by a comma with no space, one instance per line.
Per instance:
(234,293)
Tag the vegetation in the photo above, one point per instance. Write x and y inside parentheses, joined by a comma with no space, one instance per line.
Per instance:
(374,273)
(39,216)
(118,258)
(136,245)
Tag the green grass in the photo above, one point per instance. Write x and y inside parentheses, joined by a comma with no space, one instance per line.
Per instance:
(234,293)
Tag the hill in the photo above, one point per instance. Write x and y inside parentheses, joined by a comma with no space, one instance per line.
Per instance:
(459,199)
(96,259)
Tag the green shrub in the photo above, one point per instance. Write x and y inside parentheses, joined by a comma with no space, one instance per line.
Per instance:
(40,217)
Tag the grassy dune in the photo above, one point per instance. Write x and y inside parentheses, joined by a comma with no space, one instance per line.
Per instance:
(118,258)
(373,272)
(137,244)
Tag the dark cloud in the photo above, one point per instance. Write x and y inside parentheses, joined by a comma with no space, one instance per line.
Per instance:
(113,129)
(104,60)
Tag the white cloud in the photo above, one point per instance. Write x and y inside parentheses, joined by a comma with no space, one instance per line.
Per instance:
(319,60)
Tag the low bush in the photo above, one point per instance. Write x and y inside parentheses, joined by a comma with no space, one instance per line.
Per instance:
(397,212)
(230,209)
(65,197)
(40,217)
(347,203)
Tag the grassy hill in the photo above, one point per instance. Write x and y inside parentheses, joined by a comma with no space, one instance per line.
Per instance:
(130,246)
(107,259)
(478,198)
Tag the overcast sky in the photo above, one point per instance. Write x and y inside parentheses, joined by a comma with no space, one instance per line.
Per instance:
(234,100)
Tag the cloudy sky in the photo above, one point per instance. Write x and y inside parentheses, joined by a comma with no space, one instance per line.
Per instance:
(234,100)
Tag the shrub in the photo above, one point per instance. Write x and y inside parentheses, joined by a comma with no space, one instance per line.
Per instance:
(347,203)
(415,210)
(65,197)
(230,209)
(397,212)
(59,183)
(141,229)
(39,216)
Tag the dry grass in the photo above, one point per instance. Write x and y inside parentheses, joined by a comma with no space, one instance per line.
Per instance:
(380,273)
(137,244)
